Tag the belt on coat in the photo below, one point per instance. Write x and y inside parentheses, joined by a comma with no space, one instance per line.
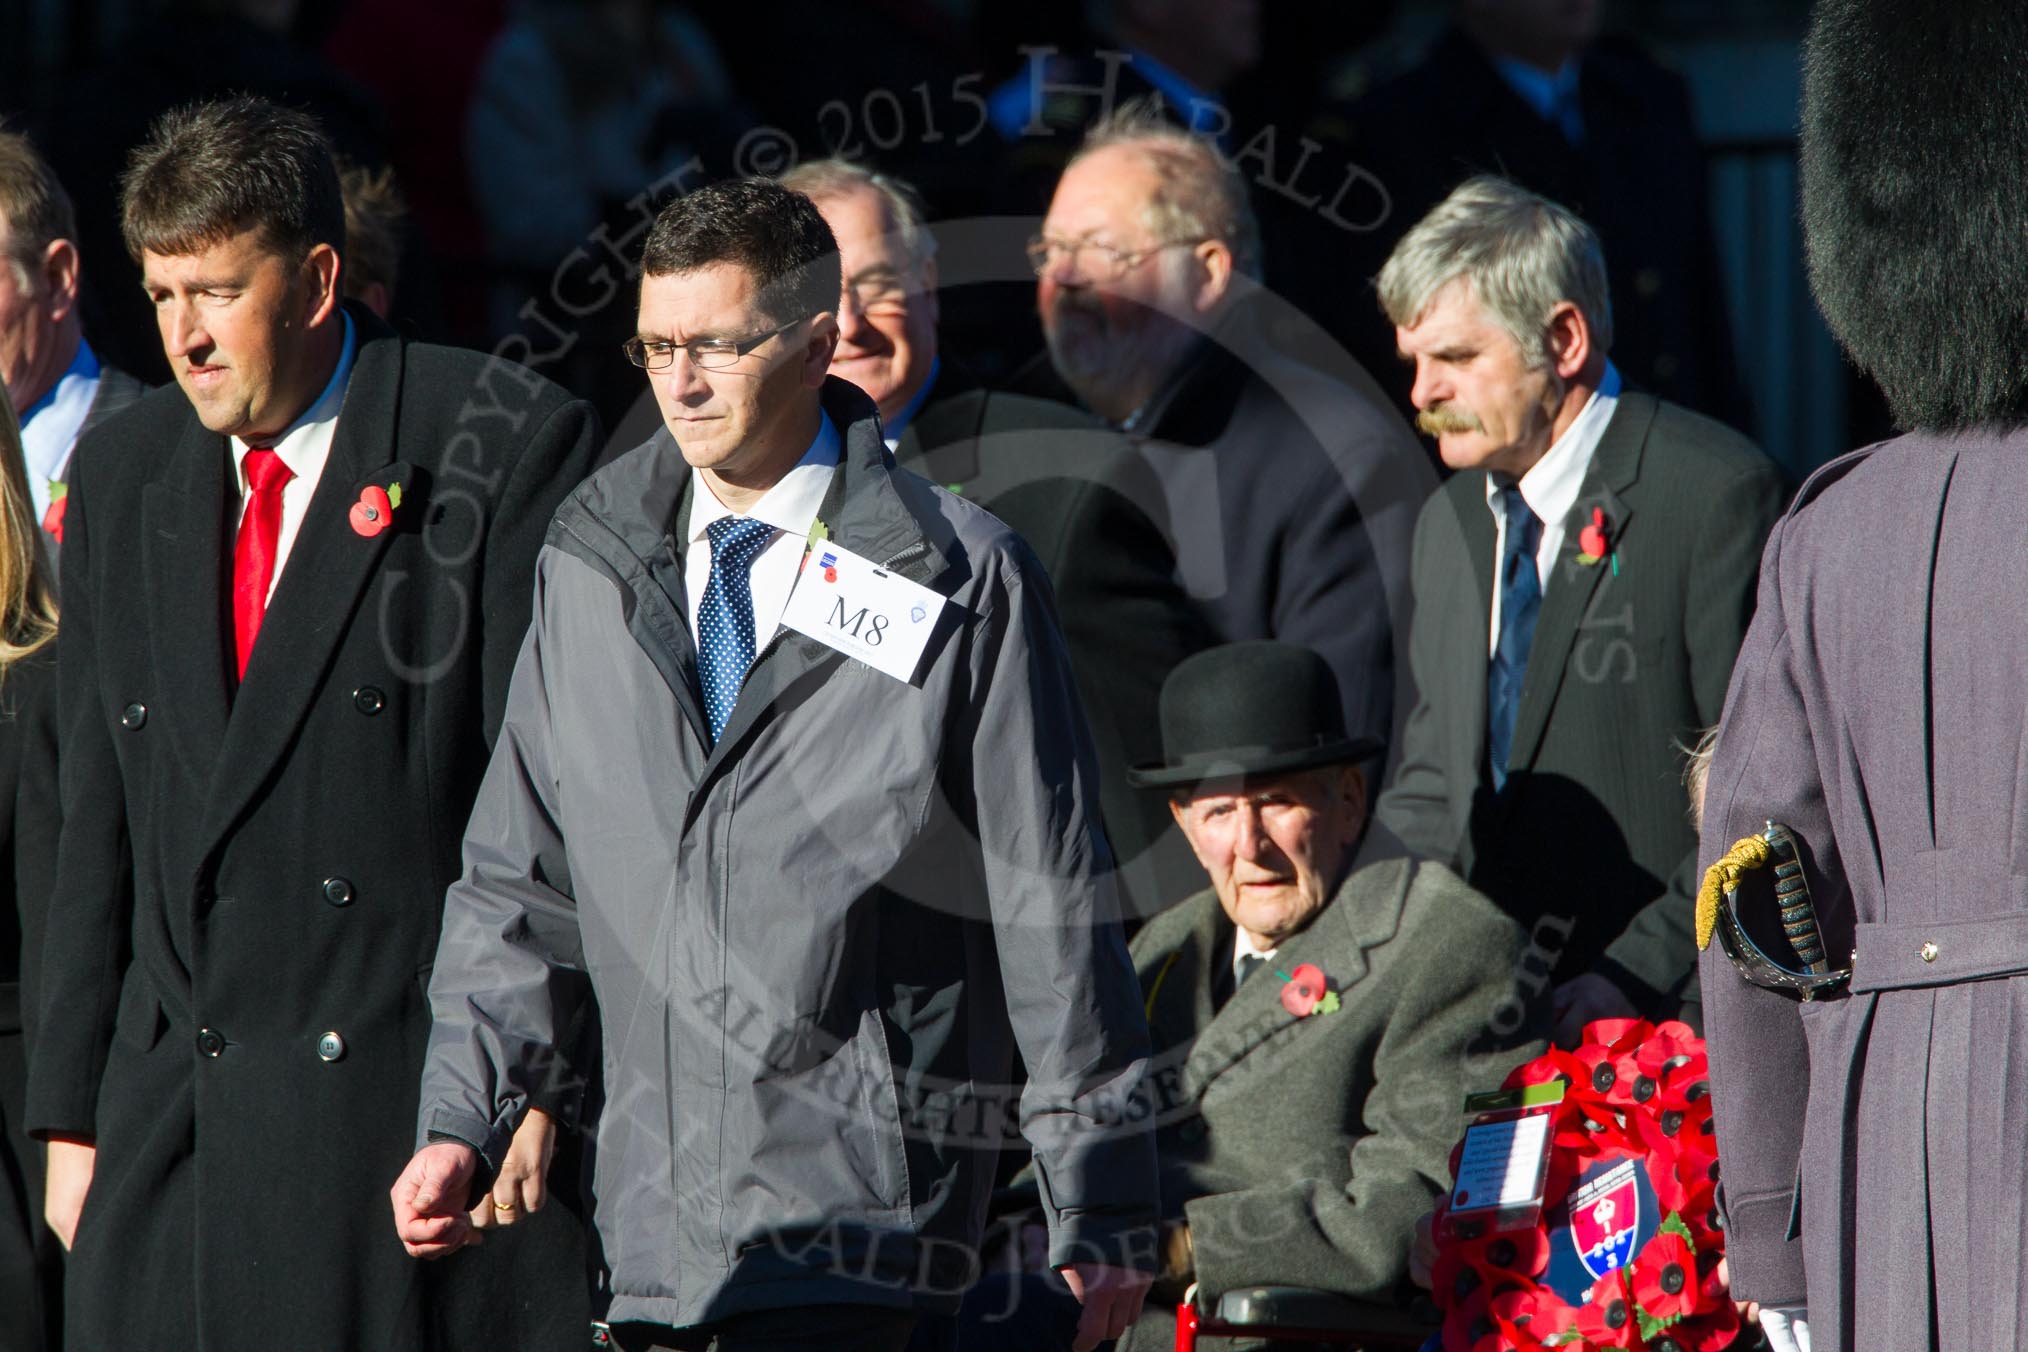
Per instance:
(1912,954)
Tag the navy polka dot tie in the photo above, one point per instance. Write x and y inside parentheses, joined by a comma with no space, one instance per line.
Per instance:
(725,616)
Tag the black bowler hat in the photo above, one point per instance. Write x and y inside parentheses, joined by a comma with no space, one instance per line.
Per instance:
(1250,709)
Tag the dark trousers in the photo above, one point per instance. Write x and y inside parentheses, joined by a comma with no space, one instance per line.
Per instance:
(835,1328)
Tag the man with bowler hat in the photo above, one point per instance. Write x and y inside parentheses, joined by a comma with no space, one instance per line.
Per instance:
(1315,1029)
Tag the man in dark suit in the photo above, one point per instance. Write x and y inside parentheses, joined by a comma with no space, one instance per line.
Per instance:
(296,585)
(1582,585)
(1315,1024)
(1532,92)
(1290,495)
(1068,485)
(58,386)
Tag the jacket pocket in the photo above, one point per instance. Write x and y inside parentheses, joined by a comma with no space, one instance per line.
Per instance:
(139,1022)
(883,1110)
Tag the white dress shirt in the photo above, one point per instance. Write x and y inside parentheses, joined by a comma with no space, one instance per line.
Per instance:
(50,427)
(304,447)
(1551,490)
(790,507)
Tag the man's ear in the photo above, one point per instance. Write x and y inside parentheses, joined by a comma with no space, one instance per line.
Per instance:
(321,267)
(1352,796)
(1215,260)
(817,352)
(1569,340)
(928,297)
(59,280)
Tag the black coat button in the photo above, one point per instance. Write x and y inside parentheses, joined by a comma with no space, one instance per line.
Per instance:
(368,700)
(338,891)
(133,716)
(210,1042)
(330,1047)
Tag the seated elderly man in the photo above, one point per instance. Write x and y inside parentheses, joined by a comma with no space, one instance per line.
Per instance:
(1314,1028)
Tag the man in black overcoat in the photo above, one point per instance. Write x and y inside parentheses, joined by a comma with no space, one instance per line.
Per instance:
(1289,488)
(293,591)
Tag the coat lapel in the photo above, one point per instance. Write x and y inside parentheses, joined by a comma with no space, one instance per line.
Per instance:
(1567,604)
(328,569)
(184,542)
(1180,1000)
(1366,911)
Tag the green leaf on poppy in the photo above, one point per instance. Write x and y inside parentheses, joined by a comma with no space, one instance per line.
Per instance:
(1673,1225)
(1650,1326)
(819,532)
(394,497)
(58,490)
(1326,1004)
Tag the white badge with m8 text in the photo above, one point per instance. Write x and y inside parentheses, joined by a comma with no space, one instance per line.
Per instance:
(862,610)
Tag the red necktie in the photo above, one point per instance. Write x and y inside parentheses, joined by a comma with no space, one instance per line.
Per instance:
(253,557)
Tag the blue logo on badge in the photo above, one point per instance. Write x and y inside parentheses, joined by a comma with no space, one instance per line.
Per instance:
(829,560)
(916,613)
(1604,1214)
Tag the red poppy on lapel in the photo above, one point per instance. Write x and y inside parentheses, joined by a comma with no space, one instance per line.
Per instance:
(52,516)
(374,512)
(1594,542)
(1305,992)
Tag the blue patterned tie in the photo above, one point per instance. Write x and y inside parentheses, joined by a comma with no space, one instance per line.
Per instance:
(1520,603)
(725,643)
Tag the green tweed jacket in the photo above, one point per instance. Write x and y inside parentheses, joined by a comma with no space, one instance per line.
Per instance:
(1301,1151)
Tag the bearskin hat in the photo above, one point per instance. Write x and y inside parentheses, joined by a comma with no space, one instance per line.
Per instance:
(1915,200)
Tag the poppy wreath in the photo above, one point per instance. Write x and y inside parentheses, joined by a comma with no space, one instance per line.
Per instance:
(1633,1090)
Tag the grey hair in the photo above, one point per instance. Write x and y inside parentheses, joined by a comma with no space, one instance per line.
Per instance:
(819,179)
(1521,254)
(1199,194)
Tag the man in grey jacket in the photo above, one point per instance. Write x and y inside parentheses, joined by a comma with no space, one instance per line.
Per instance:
(822,875)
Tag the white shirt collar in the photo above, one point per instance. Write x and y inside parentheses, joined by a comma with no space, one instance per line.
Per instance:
(791,505)
(306,443)
(52,425)
(1552,485)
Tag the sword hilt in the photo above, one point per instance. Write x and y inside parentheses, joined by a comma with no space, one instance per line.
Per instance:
(1792,896)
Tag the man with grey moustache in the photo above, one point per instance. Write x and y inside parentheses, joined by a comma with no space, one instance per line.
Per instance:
(1582,586)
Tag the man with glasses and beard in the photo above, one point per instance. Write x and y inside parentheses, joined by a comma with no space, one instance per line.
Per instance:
(1290,494)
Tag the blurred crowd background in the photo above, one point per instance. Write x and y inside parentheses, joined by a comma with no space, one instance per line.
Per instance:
(522,136)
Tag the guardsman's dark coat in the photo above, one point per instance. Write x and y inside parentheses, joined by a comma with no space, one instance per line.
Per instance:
(252,881)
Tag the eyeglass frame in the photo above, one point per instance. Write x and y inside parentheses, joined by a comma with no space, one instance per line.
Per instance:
(1040,247)
(636,349)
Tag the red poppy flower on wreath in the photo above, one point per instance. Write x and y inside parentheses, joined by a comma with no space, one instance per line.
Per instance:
(1464,1267)
(1664,1277)
(1305,992)
(1711,1330)
(1669,1049)
(1521,1315)
(1609,1319)
(1688,1187)
(374,512)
